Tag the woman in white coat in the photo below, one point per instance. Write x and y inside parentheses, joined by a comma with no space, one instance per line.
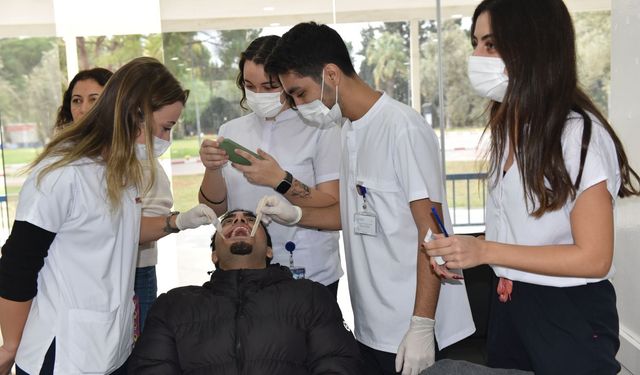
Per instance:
(556,168)
(66,272)
(299,161)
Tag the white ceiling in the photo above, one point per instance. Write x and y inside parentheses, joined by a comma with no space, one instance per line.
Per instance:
(93,17)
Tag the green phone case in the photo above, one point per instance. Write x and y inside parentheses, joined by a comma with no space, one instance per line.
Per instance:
(229,146)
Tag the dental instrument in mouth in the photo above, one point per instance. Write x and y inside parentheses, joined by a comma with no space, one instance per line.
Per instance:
(258,218)
(216,223)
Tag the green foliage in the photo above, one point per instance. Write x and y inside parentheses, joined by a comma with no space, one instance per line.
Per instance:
(386,64)
(218,111)
(30,82)
(463,107)
(229,46)
(389,58)
(19,56)
(207,64)
(43,94)
(593,43)
(186,148)
(111,52)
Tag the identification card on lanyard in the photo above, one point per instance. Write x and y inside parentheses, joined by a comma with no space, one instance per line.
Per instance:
(365,221)
(297,272)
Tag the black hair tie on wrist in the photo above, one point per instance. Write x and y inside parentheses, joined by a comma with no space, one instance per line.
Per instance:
(209,200)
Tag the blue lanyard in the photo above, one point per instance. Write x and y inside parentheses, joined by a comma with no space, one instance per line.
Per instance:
(362,191)
(290,246)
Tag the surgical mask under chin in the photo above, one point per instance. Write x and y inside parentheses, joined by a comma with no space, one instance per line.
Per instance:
(160,146)
(316,113)
(266,104)
(488,77)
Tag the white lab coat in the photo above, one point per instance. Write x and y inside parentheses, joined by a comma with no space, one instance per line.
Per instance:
(312,155)
(395,155)
(85,288)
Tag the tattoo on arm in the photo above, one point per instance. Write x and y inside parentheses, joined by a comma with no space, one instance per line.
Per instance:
(300,190)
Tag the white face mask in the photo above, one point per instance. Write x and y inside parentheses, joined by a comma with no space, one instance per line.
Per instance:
(316,113)
(488,77)
(160,146)
(265,104)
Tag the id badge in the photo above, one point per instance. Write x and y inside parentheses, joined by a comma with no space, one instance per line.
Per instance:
(365,223)
(297,272)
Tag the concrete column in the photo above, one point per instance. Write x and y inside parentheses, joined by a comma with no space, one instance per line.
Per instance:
(414,64)
(625,117)
(71,50)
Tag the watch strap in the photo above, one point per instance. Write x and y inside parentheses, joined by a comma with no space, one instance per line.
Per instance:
(285,184)
(167,223)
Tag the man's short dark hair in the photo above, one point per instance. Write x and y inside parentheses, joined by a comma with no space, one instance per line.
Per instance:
(306,48)
(246,212)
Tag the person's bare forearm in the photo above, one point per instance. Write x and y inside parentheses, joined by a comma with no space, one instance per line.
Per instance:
(325,218)
(427,288)
(13,316)
(305,196)
(427,282)
(214,189)
(152,228)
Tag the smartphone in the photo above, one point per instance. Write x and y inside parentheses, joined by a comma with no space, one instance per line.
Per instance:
(230,146)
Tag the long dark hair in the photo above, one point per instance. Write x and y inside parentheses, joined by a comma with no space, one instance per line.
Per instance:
(257,51)
(100,75)
(536,41)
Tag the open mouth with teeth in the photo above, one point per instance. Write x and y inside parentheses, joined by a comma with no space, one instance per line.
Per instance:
(238,232)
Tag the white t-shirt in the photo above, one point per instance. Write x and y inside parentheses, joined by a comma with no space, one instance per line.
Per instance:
(312,155)
(157,202)
(508,220)
(395,155)
(85,288)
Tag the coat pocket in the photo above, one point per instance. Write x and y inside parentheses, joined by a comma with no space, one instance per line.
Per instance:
(93,340)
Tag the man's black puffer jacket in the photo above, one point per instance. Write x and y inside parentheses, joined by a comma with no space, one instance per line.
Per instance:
(246,322)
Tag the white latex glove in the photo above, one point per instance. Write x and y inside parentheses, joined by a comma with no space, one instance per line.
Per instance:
(417,349)
(278,210)
(195,217)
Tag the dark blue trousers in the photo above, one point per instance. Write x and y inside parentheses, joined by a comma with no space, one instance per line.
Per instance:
(551,330)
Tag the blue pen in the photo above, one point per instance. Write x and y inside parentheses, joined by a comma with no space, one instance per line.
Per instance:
(439,259)
(440,223)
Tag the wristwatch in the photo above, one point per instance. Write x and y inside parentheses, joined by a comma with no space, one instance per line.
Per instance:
(285,184)
(167,224)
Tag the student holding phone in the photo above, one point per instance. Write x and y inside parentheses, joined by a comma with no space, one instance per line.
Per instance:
(297,160)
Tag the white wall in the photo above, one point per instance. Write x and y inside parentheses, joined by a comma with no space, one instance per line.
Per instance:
(625,118)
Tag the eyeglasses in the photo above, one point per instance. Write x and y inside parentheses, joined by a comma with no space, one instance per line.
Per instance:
(230,216)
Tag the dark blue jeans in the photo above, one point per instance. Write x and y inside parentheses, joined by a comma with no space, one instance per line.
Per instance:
(146,289)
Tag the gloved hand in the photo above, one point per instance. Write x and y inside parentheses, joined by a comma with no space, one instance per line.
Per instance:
(195,217)
(278,210)
(417,349)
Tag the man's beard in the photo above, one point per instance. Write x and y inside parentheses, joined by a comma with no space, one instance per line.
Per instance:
(241,248)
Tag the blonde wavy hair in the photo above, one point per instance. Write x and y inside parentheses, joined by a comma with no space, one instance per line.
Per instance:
(108,132)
